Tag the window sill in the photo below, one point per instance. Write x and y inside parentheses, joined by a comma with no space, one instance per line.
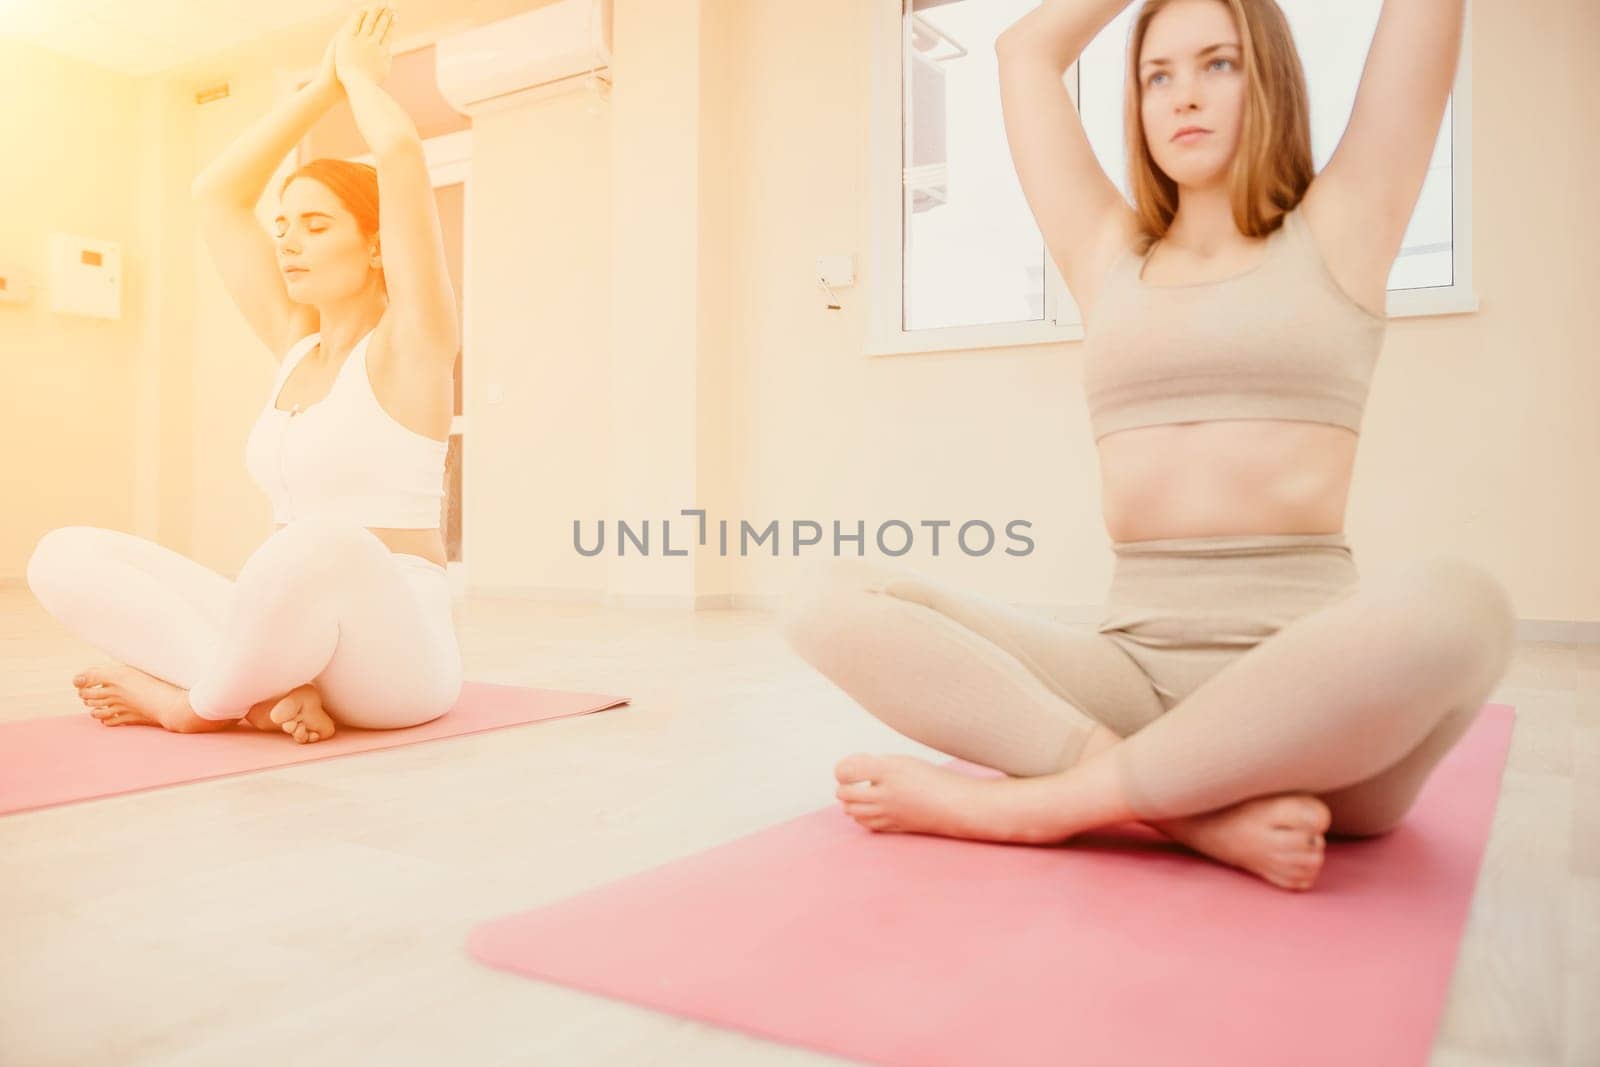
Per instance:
(966,338)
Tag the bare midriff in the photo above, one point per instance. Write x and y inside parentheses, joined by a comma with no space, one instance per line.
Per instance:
(429,544)
(1234,476)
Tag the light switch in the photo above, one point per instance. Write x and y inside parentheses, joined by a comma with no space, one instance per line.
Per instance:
(836,271)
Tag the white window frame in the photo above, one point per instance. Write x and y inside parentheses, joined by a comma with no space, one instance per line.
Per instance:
(886,222)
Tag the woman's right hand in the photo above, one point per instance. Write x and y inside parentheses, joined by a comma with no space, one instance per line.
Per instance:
(327,76)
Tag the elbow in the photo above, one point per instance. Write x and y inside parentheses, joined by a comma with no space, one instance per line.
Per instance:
(203,188)
(1022,44)
(203,191)
(400,146)
(1015,40)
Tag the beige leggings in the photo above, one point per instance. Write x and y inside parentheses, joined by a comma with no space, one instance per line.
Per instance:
(1233,667)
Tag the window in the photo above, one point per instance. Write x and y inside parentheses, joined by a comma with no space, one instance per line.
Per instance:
(971,254)
(959,260)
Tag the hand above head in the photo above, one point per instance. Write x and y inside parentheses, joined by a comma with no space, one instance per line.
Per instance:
(361,47)
(327,74)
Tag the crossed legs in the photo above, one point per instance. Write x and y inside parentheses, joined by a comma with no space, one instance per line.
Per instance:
(322,616)
(1349,708)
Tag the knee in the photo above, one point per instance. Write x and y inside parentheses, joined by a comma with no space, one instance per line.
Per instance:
(57,555)
(1460,619)
(803,612)
(815,611)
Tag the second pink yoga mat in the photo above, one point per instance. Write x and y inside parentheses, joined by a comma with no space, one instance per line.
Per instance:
(63,758)
(1116,949)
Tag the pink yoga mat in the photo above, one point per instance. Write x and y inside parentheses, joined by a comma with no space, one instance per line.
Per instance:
(63,758)
(1118,948)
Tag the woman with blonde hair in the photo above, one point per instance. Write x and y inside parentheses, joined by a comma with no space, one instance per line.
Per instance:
(343,615)
(1243,692)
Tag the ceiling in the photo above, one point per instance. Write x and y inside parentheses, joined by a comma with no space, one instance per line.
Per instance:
(144,37)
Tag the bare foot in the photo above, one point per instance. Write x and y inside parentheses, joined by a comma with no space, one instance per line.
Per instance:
(905,794)
(300,714)
(1279,838)
(124,695)
(259,717)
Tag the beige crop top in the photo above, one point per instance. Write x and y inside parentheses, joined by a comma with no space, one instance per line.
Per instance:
(1283,340)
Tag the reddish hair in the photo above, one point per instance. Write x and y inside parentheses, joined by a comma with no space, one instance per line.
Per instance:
(355,184)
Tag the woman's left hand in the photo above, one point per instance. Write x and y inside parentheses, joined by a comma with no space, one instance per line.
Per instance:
(362,49)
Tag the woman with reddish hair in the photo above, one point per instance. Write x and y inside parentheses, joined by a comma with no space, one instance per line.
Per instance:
(343,615)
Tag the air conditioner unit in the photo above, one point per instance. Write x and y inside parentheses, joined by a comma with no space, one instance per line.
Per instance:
(551,49)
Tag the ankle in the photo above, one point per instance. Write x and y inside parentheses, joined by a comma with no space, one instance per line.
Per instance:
(260,715)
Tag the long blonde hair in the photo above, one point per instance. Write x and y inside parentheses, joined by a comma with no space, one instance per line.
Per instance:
(1273,161)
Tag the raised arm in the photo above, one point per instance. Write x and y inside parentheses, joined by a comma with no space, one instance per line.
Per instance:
(1080,213)
(421,298)
(1377,171)
(225,196)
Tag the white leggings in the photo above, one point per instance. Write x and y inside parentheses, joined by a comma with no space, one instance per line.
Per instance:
(321,601)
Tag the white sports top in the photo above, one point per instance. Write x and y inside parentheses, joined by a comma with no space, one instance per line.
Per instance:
(344,456)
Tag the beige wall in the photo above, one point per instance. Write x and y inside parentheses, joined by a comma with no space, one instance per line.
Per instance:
(641,287)
(538,270)
(1483,433)
(69,381)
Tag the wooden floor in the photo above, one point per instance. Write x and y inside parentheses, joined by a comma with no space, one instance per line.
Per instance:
(317,914)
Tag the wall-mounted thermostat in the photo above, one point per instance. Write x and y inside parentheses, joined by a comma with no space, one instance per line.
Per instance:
(85,276)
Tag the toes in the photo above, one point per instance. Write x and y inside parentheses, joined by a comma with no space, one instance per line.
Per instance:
(1299,842)
(1311,814)
(1298,874)
(855,791)
(285,710)
(857,768)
